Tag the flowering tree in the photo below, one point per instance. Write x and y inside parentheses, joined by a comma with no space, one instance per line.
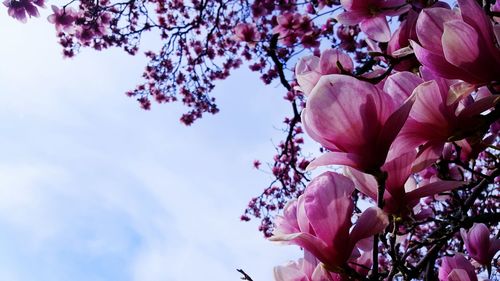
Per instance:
(402,96)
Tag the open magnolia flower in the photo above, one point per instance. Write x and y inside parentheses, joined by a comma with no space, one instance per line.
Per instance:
(401,193)
(320,221)
(355,120)
(458,45)
(433,122)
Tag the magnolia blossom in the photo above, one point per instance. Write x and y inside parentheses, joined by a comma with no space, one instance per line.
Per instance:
(63,18)
(356,120)
(401,193)
(456,268)
(458,45)
(18,9)
(320,220)
(247,32)
(309,69)
(478,243)
(370,15)
(433,121)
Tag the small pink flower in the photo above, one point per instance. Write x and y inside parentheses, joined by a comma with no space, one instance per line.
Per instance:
(63,18)
(19,9)
(320,220)
(478,243)
(456,268)
(370,15)
(247,32)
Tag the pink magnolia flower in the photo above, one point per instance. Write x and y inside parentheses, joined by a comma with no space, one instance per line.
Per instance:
(287,23)
(320,220)
(401,193)
(478,243)
(63,18)
(356,120)
(433,121)
(18,9)
(456,268)
(370,15)
(309,69)
(247,32)
(458,45)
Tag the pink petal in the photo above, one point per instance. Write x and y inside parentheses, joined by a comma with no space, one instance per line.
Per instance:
(307,241)
(458,91)
(398,170)
(394,124)
(437,63)
(365,183)
(306,74)
(460,44)
(430,106)
(474,15)
(430,27)
(428,154)
(432,189)
(329,59)
(352,17)
(376,28)
(401,85)
(477,242)
(346,112)
(463,269)
(289,272)
(458,275)
(328,205)
(478,107)
(372,221)
(337,158)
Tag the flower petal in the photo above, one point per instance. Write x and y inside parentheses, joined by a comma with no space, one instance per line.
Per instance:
(460,44)
(328,205)
(432,189)
(376,28)
(372,221)
(430,27)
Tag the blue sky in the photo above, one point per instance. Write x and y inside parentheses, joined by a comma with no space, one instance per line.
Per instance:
(94,188)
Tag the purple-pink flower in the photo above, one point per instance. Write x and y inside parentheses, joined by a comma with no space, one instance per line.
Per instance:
(309,69)
(433,121)
(370,15)
(63,19)
(19,9)
(401,193)
(456,268)
(355,120)
(247,32)
(458,45)
(320,221)
(478,243)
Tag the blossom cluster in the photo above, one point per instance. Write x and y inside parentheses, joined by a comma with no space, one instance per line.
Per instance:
(417,196)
